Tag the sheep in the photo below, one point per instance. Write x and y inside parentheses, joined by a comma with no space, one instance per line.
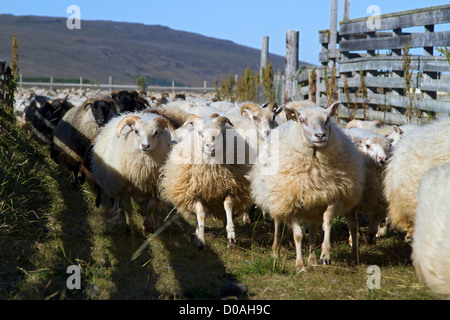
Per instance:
(422,148)
(376,126)
(129,100)
(261,119)
(312,172)
(73,135)
(127,155)
(431,240)
(376,150)
(202,175)
(47,117)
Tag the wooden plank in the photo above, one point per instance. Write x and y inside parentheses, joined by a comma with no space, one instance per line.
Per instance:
(392,63)
(402,102)
(404,19)
(386,117)
(417,40)
(397,83)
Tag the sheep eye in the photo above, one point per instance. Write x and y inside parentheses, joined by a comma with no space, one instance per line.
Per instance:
(136,132)
(327,121)
(302,120)
(200,133)
(155,133)
(368,146)
(256,119)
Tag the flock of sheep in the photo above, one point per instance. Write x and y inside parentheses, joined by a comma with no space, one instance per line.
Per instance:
(294,162)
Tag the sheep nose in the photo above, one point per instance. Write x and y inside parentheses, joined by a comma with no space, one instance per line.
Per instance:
(320,135)
(145,147)
(382,160)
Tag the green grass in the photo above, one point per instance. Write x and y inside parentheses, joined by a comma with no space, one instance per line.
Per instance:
(46,226)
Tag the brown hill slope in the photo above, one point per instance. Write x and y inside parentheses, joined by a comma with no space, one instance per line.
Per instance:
(123,50)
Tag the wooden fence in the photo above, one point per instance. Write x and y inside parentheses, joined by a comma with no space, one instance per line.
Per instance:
(379,55)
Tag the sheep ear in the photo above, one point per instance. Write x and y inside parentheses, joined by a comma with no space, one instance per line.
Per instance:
(127,121)
(398,130)
(333,109)
(223,121)
(291,114)
(214,115)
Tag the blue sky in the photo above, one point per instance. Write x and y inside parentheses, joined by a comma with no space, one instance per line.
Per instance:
(241,21)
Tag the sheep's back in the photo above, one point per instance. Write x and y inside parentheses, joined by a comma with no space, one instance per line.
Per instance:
(184,184)
(415,153)
(431,241)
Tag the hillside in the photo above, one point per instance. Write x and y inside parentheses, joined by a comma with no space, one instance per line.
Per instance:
(123,50)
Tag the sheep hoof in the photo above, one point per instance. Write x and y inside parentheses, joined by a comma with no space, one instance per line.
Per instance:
(231,243)
(200,246)
(326,262)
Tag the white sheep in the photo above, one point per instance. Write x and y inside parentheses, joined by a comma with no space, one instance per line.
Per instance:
(376,150)
(201,174)
(126,159)
(431,240)
(422,148)
(311,171)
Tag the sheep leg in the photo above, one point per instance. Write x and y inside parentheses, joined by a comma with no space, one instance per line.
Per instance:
(149,221)
(374,224)
(352,224)
(276,238)
(328,218)
(298,236)
(200,232)
(312,243)
(228,205)
(128,208)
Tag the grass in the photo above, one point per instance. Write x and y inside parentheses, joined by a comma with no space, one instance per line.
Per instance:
(46,226)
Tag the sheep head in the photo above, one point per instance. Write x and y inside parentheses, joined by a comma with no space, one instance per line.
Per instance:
(210,132)
(146,133)
(262,118)
(314,124)
(377,149)
(102,110)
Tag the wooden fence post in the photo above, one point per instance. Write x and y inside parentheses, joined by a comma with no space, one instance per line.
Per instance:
(291,63)
(110,83)
(51,82)
(346,10)
(332,51)
(264,53)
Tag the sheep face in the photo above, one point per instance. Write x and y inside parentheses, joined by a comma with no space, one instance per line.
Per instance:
(314,124)
(102,110)
(377,148)
(145,133)
(210,134)
(211,140)
(263,118)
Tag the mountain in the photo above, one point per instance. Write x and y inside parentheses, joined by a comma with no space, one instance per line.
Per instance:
(124,50)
